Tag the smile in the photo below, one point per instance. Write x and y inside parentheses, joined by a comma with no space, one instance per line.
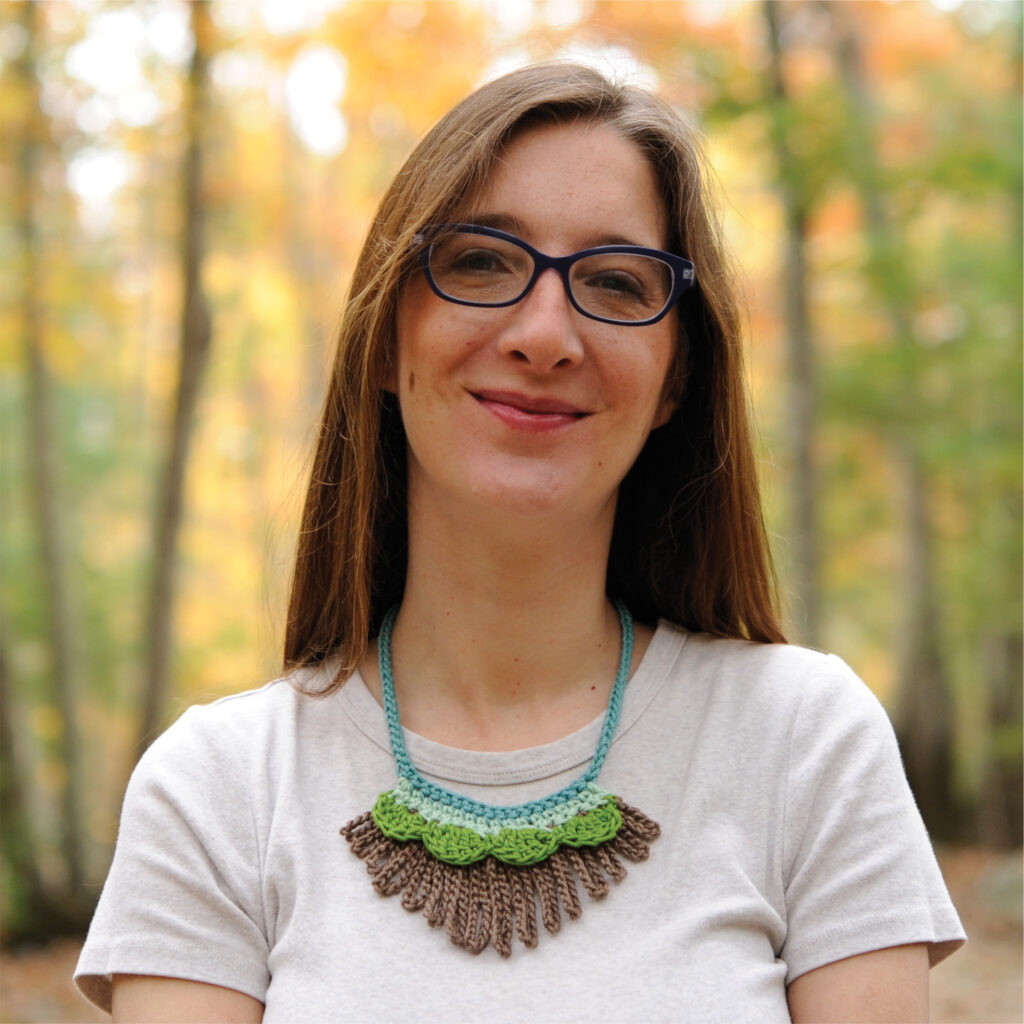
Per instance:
(528,413)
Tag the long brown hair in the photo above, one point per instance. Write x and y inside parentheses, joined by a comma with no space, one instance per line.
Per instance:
(689,542)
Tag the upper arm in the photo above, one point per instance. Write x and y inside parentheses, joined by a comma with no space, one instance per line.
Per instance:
(144,999)
(184,895)
(885,985)
(857,869)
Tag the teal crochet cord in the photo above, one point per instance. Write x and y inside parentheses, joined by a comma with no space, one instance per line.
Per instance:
(481,870)
(407,770)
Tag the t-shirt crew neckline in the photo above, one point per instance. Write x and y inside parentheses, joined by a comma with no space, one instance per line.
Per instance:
(529,764)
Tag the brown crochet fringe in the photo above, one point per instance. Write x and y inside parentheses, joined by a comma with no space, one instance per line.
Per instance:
(490,901)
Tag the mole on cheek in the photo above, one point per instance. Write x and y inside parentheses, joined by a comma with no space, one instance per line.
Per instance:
(412,381)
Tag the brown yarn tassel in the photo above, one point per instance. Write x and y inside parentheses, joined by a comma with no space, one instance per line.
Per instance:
(502,912)
(486,902)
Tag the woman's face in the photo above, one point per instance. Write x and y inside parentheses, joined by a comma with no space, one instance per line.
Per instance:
(534,408)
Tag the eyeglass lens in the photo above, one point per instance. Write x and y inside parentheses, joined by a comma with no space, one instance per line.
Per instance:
(491,271)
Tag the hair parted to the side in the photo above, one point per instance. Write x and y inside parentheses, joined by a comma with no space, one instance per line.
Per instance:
(689,543)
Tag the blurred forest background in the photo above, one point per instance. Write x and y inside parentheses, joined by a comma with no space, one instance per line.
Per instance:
(184,188)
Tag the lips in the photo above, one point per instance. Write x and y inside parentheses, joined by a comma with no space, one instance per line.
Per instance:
(538,405)
(534,413)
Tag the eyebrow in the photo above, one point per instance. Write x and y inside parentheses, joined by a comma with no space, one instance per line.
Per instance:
(514,226)
(501,221)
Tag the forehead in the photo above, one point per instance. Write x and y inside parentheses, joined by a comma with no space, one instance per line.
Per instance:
(572,184)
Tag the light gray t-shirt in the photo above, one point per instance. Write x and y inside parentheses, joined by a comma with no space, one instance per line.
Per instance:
(789,840)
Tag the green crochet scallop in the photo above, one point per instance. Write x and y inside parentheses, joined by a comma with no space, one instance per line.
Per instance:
(455,844)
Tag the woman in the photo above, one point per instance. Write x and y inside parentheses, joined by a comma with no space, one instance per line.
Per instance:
(534,448)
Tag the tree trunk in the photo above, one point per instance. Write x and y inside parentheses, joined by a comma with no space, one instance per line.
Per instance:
(805,549)
(40,443)
(924,708)
(1002,791)
(194,350)
(924,711)
(20,851)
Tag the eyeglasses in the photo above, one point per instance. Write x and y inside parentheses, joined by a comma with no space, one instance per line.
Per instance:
(615,284)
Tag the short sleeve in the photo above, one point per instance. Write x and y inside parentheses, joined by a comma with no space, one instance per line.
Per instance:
(183,896)
(860,873)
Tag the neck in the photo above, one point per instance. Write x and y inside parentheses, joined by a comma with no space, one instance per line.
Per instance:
(505,638)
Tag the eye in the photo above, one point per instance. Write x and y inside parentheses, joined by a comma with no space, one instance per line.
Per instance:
(478,260)
(617,282)
(479,270)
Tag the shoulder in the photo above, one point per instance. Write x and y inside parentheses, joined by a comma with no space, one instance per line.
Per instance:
(769,682)
(775,712)
(785,664)
(238,730)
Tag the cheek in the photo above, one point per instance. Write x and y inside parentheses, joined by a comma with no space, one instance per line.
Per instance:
(670,367)
(413,324)
(648,388)
(437,351)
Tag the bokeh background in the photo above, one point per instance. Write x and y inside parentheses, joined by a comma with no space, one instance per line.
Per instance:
(184,189)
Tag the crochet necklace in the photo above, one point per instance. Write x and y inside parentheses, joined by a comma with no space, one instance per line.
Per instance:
(481,870)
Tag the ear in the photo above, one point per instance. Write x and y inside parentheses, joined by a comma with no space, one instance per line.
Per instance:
(665,409)
(671,394)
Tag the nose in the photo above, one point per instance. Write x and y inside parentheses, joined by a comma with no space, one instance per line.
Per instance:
(542,331)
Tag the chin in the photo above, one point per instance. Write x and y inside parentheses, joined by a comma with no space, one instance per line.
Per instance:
(489,488)
(538,494)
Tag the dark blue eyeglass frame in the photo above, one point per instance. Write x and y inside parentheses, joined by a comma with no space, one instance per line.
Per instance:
(682,269)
